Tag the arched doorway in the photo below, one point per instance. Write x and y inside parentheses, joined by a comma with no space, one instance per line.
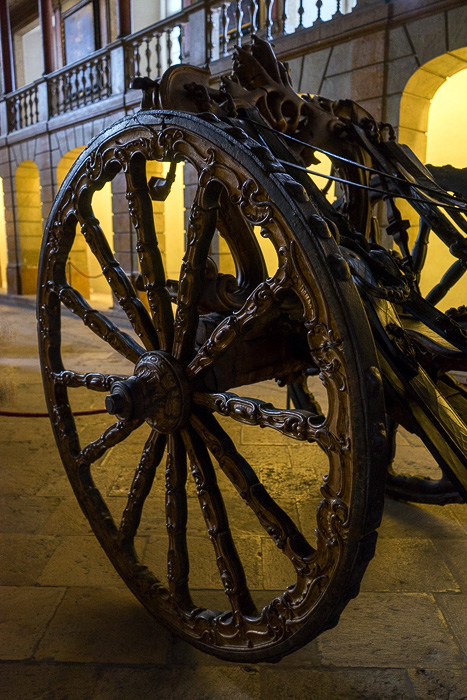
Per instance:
(29,213)
(433,112)
(446,145)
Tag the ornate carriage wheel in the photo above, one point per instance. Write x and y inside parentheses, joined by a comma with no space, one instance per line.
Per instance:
(183,366)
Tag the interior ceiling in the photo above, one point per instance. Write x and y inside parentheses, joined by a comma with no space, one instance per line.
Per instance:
(22,12)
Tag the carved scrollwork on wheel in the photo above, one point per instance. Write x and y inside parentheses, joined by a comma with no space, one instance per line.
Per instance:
(196,340)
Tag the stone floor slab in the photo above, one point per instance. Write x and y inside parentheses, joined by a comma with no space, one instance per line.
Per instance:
(103,625)
(454,609)
(48,681)
(25,614)
(391,630)
(414,520)
(439,685)
(408,565)
(25,514)
(80,561)
(454,553)
(351,684)
(204,683)
(66,519)
(205,573)
(23,557)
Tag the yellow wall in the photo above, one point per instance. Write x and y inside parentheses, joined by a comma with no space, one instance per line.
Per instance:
(174,226)
(93,285)
(447,118)
(3,242)
(29,213)
(446,145)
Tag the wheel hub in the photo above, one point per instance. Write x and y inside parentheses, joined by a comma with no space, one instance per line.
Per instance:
(157,392)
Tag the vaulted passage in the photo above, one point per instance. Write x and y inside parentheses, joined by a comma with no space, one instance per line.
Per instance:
(28,195)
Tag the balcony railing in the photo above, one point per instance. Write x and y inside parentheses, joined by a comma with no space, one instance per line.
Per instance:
(150,52)
(22,108)
(80,84)
(201,34)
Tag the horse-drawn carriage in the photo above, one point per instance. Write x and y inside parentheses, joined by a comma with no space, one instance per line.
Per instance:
(338,320)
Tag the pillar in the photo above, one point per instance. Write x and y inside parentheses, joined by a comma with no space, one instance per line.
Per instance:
(46,14)
(6,49)
(124,18)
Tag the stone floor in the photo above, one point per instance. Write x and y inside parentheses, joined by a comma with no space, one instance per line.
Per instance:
(70,630)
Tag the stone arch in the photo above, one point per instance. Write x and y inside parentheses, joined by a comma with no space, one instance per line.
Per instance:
(417,96)
(29,223)
(444,144)
(418,93)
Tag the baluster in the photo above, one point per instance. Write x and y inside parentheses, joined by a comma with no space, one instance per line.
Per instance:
(224,28)
(319,5)
(31,107)
(254,16)
(22,119)
(283,18)
(17,109)
(168,41)
(75,78)
(64,93)
(158,55)
(50,98)
(36,107)
(93,69)
(238,21)
(25,108)
(148,55)
(136,59)
(209,37)
(84,73)
(106,84)
(338,8)
(268,19)
(24,102)
(11,116)
(300,11)
(181,35)
(54,96)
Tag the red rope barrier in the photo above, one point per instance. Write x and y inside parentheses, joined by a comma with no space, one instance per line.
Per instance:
(24,414)
(83,274)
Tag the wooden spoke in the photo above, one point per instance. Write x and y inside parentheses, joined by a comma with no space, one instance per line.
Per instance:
(258,311)
(115,434)
(213,509)
(201,228)
(142,483)
(279,526)
(91,380)
(150,259)
(297,424)
(119,283)
(99,324)
(176,511)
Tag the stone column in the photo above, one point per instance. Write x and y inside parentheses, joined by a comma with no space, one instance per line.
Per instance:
(46,14)
(6,49)
(124,18)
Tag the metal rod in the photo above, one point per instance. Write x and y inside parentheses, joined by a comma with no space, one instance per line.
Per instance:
(367,187)
(368,168)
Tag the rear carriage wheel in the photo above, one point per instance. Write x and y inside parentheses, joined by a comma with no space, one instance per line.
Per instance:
(195,376)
